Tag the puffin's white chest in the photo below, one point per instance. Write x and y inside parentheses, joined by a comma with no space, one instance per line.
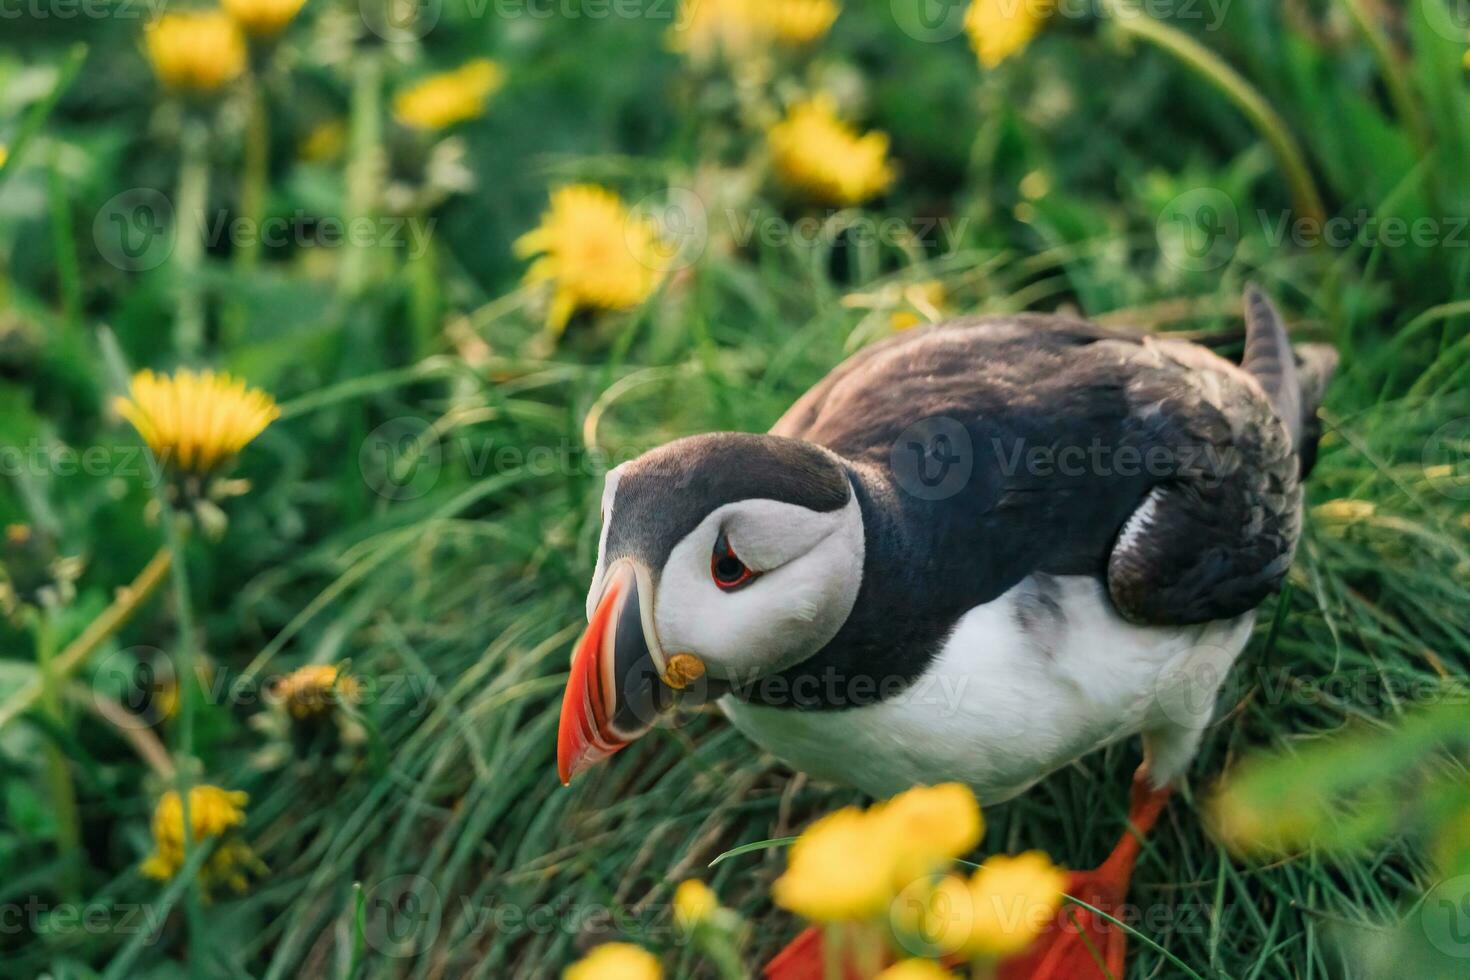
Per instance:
(1024,685)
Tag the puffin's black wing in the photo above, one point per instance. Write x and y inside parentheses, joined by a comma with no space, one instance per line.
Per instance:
(1153,464)
(1215,539)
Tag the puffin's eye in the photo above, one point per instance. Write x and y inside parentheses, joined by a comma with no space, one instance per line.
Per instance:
(728,571)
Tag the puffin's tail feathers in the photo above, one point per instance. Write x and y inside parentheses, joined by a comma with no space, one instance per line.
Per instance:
(1294,379)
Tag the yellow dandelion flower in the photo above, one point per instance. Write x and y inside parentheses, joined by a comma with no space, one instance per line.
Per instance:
(195,52)
(999,29)
(739,29)
(840,869)
(615,961)
(1343,511)
(1239,816)
(923,302)
(213,812)
(311,691)
(928,827)
(694,903)
(706,29)
(915,970)
(325,142)
(1013,900)
(1035,185)
(595,252)
(262,18)
(195,421)
(450,97)
(819,156)
(799,22)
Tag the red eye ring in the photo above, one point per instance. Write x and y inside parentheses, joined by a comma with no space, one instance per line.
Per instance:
(726,568)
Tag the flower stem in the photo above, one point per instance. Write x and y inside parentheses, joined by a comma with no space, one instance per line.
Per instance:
(112,619)
(58,770)
(173,536)
(719,944)
(425,307)
(193,198)
(185,667)
(364,168)
(142,739)
(1306,199)
(253,176)
(1394,78)
(252,180)
(65,249)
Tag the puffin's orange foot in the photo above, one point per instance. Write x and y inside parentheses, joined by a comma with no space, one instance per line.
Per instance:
(804,959)
(1079,944)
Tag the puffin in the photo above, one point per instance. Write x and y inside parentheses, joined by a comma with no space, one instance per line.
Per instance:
(976,552)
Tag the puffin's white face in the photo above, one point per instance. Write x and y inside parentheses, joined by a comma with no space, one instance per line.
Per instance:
(759,585)
(737,590)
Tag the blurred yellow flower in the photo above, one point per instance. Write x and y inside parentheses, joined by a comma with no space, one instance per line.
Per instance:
(213,812)
(840,869)
(195,421)
(706,29)
(615,961)
(164,691)
(1344,511)
(915,970)
(308,692)
(929,826)
(799,22)
(1237,817)
(818,155)
(694,903)
(450,97)
(195,52)
(4,154)
(922,302)
(325,142)
(1014,899)
(999,29)
(735,29)
(595,252)
(262,18)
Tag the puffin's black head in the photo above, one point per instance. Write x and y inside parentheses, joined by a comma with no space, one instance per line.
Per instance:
(727,555)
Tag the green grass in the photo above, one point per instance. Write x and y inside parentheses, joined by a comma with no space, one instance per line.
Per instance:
(456,596)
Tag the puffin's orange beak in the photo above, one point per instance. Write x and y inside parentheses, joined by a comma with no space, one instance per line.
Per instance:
(615,692)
